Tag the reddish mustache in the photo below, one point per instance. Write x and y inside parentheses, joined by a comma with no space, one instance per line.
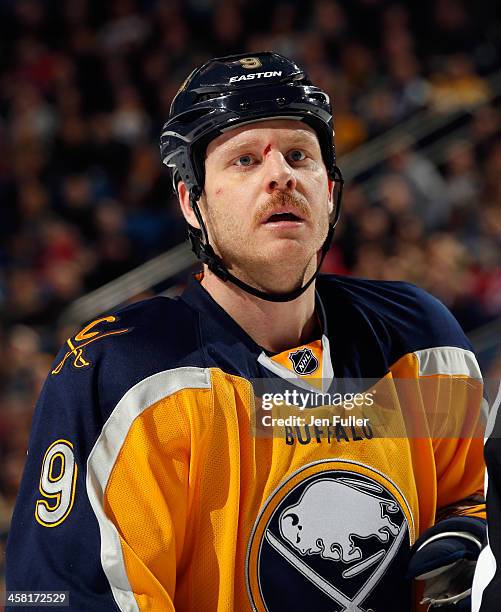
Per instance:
(281,200)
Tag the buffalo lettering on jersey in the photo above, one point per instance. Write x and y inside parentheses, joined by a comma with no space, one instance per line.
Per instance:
(307,434)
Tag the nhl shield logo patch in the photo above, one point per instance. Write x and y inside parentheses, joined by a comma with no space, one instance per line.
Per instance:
(303,361)
(326,538)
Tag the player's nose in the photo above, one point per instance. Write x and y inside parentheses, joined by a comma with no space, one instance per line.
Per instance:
(278,174)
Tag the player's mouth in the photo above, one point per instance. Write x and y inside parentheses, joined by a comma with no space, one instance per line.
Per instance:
(284,220)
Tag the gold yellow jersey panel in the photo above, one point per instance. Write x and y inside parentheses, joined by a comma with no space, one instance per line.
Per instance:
(205,501)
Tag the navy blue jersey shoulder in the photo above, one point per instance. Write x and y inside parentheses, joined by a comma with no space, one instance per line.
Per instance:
(163,335)
(120,349)
(381,321)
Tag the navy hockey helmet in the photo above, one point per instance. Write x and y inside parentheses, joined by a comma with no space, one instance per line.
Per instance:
(227,92)
(230,91)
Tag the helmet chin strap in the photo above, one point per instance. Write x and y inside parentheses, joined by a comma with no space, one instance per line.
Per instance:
(200,245)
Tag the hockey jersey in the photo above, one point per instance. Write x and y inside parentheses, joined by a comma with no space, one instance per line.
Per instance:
(148,485)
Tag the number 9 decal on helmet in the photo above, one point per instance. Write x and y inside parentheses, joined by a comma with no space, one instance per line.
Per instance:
(250,62)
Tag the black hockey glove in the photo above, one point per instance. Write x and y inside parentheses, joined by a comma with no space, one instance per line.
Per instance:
(445,557)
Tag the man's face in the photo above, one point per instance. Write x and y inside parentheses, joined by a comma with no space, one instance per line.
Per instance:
(267,202)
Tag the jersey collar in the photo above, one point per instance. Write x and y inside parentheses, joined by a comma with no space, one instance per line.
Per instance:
(221,329)
(327,373)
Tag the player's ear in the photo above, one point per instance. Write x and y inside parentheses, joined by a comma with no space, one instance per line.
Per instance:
(184,200)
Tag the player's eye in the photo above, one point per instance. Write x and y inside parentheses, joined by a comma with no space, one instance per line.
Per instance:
(297,155)
(244,160)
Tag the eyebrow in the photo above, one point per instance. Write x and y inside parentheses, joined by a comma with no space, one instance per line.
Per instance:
(303,138)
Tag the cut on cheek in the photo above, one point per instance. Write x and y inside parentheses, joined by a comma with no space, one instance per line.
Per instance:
(219,191)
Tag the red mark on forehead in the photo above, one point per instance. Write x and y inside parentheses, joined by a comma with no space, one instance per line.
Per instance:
(267,149)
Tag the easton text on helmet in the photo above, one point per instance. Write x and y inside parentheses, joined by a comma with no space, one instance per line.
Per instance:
(255,75)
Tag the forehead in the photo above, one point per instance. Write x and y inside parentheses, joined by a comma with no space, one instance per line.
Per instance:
(264,132)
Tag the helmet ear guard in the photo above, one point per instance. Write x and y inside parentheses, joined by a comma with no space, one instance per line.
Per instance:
(225,93)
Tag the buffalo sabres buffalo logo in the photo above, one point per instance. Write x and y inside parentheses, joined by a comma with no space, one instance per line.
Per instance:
(326,538)
(303,361)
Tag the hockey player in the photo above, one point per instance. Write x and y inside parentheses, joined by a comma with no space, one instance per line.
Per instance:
(149,484)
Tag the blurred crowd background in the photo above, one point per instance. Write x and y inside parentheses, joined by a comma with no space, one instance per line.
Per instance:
(85,87)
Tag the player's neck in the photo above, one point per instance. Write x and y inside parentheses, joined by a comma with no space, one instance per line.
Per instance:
(276,326)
